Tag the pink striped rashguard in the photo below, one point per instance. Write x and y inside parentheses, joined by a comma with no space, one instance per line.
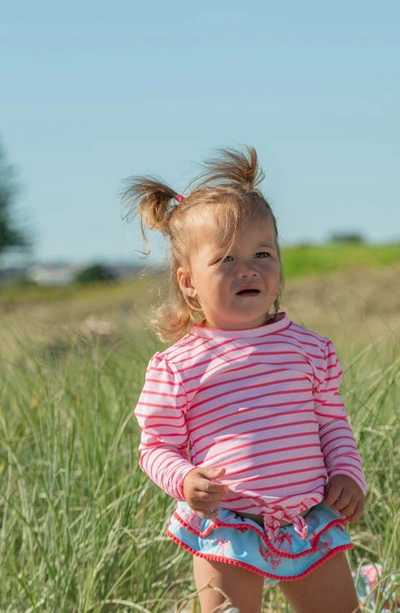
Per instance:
(263,403)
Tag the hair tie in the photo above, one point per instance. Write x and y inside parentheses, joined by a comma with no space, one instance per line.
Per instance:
(179,198)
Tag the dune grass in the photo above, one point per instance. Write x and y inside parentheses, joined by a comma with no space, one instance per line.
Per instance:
(82,529)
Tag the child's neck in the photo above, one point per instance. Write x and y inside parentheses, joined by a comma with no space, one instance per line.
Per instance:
(269,319)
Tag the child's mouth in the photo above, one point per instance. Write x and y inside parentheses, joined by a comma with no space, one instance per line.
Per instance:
(248,292)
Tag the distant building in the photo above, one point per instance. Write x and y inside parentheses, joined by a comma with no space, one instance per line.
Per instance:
(52,274)
(61,274)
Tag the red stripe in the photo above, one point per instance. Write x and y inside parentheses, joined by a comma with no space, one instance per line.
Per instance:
(263,452)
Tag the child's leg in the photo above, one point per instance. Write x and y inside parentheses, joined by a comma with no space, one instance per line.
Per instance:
(243,588)
(327,589)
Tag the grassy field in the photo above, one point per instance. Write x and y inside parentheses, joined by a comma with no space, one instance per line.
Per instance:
(82,529)
(319,259)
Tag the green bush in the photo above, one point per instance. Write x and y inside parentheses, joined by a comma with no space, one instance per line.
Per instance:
(94,273)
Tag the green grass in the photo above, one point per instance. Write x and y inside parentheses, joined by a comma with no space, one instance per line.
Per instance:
(102,293)
(316,260)
(82,529)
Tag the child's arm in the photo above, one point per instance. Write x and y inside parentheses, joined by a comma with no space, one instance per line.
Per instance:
(161,414)
(347,485)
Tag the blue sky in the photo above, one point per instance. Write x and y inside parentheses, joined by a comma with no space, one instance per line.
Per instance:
(93,92)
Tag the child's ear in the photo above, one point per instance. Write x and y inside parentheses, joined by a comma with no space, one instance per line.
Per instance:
(185,282)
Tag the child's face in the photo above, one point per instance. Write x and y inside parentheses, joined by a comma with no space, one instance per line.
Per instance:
(237,291)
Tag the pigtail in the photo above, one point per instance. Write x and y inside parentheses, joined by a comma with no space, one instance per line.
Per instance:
(232,167)
(152,201)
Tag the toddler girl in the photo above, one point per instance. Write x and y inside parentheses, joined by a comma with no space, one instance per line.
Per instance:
(241,418)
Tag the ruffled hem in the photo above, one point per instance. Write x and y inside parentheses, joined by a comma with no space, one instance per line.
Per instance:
(319,520)
(254,569)
(241,541)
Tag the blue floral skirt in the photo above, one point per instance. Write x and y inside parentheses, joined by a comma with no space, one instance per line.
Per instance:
(233,539)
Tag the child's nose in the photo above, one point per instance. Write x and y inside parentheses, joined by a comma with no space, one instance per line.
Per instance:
(246,269)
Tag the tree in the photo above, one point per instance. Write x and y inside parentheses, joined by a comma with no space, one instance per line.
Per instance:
(10,235)
(95,273)
(347,237)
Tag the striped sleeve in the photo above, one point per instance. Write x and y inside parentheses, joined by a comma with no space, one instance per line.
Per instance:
(160,413)
(337,439)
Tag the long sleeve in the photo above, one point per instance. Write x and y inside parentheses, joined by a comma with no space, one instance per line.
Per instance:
(337,439)
(161,416)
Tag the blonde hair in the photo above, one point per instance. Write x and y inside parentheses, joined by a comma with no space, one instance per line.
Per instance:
(228,187)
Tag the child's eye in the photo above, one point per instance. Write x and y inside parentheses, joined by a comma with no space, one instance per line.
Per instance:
(227,258)
(262,254)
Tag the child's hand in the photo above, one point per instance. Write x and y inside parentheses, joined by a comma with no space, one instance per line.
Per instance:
(202,492)
(344,495)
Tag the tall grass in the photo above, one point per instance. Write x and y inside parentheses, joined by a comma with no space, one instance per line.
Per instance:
(82,529)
